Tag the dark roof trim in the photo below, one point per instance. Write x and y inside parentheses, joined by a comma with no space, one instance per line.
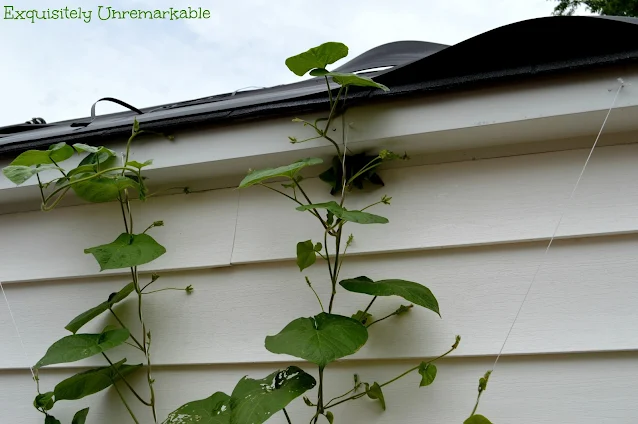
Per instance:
(520,50)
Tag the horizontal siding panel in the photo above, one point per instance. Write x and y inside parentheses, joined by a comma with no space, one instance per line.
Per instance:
(198,232)
(465,203)
(585,288)
(505,200)
(522,390)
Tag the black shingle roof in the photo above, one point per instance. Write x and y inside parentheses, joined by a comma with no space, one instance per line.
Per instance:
(520,50)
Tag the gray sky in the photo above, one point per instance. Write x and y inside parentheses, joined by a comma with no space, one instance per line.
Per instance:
(56,69)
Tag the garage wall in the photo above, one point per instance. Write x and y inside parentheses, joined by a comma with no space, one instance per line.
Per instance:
(474,232)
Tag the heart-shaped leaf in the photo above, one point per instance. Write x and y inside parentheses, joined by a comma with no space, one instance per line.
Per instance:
(56,153)
(428,373)
(357,80)
(255,401)
(346,215)
(80,346)
(375,392)
(289,171)
(413,292)
(317,57)
(212,410)
(477,419)
(80,416)
(18,174)
(306,254)
(320,339)
(128,250)
(102,189)
(79,321)
(92,381)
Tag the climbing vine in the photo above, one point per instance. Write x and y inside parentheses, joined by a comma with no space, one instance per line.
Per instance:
(98,178)
(327,336)
(320,339)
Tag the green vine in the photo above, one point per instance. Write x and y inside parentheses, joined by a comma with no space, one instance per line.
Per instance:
(320,339)
(98,178)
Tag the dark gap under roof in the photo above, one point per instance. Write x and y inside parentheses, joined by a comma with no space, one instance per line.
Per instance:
(520,50)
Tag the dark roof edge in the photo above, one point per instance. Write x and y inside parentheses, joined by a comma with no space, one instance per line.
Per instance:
(488,58)
(319,102)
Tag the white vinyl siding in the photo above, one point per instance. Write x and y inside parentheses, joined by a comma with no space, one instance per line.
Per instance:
(474,232)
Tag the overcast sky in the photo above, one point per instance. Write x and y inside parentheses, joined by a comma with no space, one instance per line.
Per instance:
(56,69)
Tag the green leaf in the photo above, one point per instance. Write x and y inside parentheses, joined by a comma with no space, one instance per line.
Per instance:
(44,401)
(362,317)
(330,417)
(306,254)
(212,410)
(80,346)
(317,57)
(289,171)
(255,401)
(50,419)
(413,292)
(102,189)
(79,321)
(81,147)
(477,419)
(357,80)
(80,416)
(60,151)
(428,373)
(375,393)
(84,169)
(320,339)
(92,381)
(18,174)
(56,153)
(96,154)
(128,250)
(319,72)
(136,164)
(346,215)
(136,126)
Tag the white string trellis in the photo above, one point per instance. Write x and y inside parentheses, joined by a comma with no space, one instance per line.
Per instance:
(560,219)
(15,326)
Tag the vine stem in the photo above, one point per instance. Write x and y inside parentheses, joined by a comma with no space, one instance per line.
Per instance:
(316,295)
(312,211)
(357,396)
(146,347)
(40,185)
(386,317)
(128,408)
(478,398)
(124,326)
(369,305)
(287,417)
(320,407)
(125,381)
(168,288)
